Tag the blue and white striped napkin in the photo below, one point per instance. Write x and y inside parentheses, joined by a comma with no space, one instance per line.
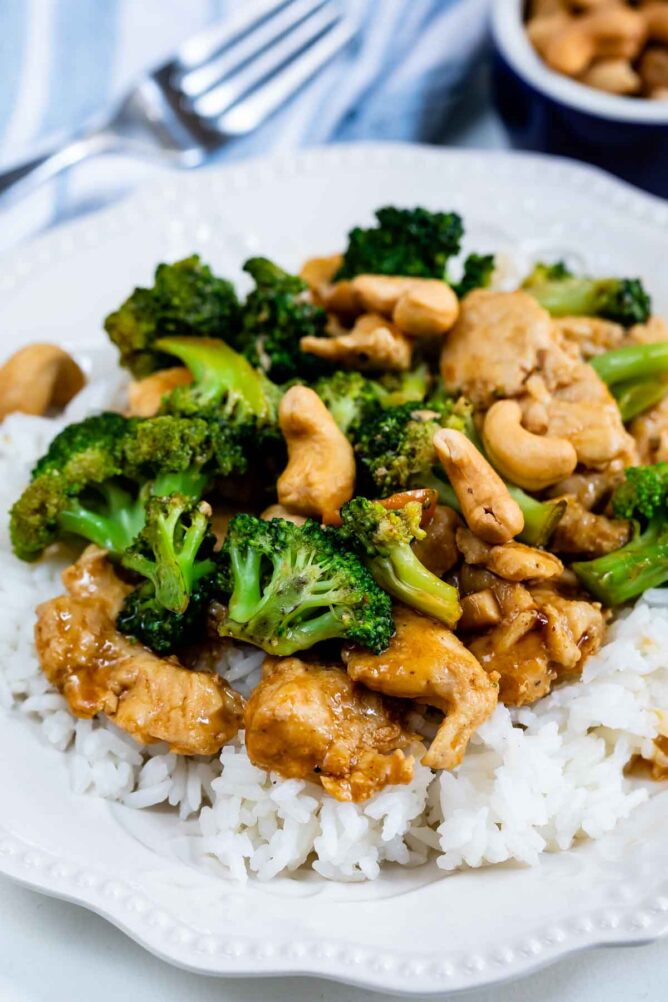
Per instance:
(63,61)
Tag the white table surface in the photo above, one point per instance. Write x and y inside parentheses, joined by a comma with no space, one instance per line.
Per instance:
(51,951)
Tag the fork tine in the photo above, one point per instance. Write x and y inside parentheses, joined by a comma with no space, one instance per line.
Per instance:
(224,96)
(210,41)
(251,112)
(233,57)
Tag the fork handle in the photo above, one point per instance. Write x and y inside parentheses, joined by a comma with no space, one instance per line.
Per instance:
(21,181)
(18,182)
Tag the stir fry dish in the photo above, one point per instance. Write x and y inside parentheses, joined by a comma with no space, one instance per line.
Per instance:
(418,493)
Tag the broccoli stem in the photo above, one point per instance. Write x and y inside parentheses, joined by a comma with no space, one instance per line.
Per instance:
(297,637)
(220,371)
(637,375)
(176,573)
(632,362)
(113,529)
(635,397)
(626,573)
(402,575)
(191,483)
(570,296)
(247,595)
(540,517)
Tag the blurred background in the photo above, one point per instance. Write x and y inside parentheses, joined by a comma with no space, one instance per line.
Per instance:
(117,91)
(405,70)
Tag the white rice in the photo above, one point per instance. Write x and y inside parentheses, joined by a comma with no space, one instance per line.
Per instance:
(534,780)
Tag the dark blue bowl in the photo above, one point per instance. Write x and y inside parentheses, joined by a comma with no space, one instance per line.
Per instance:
(549,113)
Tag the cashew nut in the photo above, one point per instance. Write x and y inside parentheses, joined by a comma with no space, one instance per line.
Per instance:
(608,32)
(429,307)
(421,307)
(340,297)
(373,343)
(530,461)
(38,377)
(487,507)
(616,76)
(653,70)
(656,19)
(379,293)
(542,29)
(320,475)
(145,395)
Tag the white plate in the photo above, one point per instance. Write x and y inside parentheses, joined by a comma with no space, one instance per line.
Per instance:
(411,930)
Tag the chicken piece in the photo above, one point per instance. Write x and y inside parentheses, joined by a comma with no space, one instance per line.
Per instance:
(510,596)
(145,395)
(505,345)
(308,721)
(584,412)
(480,610)
(659,759)
(426,662)
(497,342)
(650,433)
(98,670)
(438,550)
(590,335)
(373,343)
(589,535)
(574,629)
(537,644)
(517,652)
(511,561)
(590,489)
(656,329)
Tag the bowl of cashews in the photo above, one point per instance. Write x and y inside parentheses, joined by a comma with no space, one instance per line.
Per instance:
(587,79)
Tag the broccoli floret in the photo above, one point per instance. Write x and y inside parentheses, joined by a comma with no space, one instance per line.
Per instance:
(184,453)
(405,242)
(642,563)
(276,315)
(354,400)
(96,476)
(149,622)
(77,487)
(186,299)
(174,549)
(395,448)
(644,492)
(398,388)
(623,300)
(478,271)
(637,375)
(384,540)
(97,441)
(292,586)
(225,384)
(350,397)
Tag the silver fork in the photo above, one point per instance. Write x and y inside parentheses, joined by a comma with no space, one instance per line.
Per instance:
(221,84)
